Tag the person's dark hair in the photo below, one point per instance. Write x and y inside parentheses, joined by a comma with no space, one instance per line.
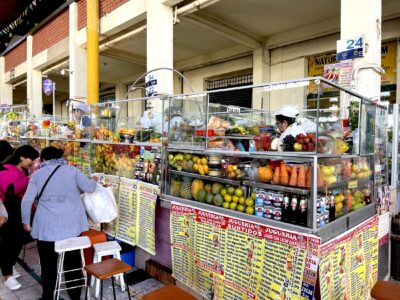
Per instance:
(51,153)
(282,118)
(26,151)
(5,150)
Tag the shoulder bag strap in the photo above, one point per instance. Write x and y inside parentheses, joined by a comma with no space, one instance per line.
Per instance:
(47,181)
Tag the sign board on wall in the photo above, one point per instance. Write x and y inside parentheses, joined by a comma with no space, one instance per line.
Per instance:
(350,48)
(388,61)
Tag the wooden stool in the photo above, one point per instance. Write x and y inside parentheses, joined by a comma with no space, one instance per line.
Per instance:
(106,269)
(106,249)
(386,290)
(169,292)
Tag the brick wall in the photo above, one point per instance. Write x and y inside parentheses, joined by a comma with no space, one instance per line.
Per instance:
(105,7)
(51,33)
(15,57)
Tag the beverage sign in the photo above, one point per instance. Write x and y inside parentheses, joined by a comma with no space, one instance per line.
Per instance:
(47,86)
(350,48)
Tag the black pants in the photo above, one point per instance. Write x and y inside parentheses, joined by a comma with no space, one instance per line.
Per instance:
(12,236)
(48,263)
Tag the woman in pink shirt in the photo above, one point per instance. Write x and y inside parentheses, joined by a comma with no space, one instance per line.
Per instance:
(13,183)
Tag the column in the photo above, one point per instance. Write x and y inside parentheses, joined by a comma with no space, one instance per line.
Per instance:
(261,74)
(364,17)
(160,46)
(77,59)
(6,89)
(34,82)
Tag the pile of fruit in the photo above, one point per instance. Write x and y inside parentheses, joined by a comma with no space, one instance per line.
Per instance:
(285,174)
(104,134)
(305,142)
(216,193)
(189,163)
(352,200)
(234,172)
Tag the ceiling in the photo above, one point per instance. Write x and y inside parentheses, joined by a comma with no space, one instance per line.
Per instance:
(233,24)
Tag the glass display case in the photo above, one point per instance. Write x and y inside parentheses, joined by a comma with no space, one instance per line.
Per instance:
(319,179)
(11,119)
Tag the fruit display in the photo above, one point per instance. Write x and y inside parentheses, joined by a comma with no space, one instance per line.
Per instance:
(296,175)
(305,142)
(213,193)
(189,163)
(219,125)
(104,134)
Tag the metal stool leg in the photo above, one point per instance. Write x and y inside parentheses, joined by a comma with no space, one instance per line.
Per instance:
(60,270)
(96,259)
(127,287)
(101,289)
(87,290)
(86,281)
(112,282)
(121,276)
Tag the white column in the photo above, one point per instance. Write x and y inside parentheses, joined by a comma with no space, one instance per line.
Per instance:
(261,74)
(160,46)
(364,17)
(34,82)
(6,90)
(77,59)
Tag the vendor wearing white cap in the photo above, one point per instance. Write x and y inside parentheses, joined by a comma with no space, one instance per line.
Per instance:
(79,109)
(285,120)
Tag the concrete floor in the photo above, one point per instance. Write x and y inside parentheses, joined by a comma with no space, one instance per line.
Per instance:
(31,289)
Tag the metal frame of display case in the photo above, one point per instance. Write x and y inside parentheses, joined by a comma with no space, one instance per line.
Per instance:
(395,182)
(367,110)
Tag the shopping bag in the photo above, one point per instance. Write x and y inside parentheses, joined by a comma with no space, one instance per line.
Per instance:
(100,205)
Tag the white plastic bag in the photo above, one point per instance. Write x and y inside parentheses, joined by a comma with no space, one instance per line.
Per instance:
(100,205)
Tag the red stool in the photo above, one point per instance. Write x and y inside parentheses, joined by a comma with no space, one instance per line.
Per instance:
(95,237)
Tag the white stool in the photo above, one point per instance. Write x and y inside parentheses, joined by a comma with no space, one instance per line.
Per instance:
(77,243)
(105,249)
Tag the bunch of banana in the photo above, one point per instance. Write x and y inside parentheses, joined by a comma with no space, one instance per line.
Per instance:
(238,130)
(11,115)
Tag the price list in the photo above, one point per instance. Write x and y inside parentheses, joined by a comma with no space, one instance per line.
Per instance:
(349,263)
(127,205)
(236,259)
(146,212)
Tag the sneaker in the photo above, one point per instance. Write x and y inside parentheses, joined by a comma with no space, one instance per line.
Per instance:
(12,284)
(16,274)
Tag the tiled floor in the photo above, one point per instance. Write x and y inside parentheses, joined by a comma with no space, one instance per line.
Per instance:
(31,288)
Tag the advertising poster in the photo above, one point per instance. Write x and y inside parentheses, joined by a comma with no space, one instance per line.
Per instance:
(229,258)
(145,216)
(339,73)
(127,207)
(349,263)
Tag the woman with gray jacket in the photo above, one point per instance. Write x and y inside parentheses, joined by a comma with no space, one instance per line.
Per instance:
(60,215)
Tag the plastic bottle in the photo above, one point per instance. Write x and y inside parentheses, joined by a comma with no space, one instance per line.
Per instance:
(332,208)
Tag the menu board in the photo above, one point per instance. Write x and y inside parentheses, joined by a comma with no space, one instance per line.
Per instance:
(146,212)
(230,258)
(349,263)
(113,182)
(127,207)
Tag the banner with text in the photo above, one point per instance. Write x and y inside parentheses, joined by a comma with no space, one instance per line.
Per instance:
(229,258)
(349,263)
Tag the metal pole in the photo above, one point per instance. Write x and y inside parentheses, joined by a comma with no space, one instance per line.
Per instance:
(54,102)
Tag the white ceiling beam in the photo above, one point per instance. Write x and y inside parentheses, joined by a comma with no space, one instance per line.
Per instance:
(303,33)
(171,3)
(222,28)
(125,56)
(212,58)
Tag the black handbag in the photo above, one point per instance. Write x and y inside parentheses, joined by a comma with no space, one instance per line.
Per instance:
(37,198)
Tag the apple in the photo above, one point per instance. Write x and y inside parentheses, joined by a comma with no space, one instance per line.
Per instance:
(297,147)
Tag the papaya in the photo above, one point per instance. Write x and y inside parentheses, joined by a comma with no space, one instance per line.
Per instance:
(197,185)
(309,177)
(265,174)
(301,179)
(276,177)
(293,176)
(284,179)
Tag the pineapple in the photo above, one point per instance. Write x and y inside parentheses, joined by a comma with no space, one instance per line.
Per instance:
(176,186)
(186,188)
